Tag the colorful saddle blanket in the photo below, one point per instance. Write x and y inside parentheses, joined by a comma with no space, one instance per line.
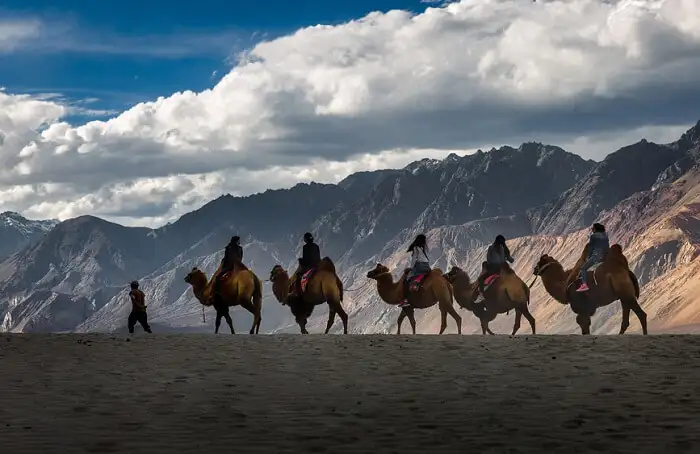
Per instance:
(306,277)
(416,282)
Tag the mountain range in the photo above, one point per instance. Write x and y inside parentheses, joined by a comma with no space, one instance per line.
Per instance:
(73,275)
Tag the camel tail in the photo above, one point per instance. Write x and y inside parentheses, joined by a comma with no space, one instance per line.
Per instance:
(635,282)
(340,287)
(527,293)
(257,290)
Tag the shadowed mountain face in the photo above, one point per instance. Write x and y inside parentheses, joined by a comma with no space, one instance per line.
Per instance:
(539,196)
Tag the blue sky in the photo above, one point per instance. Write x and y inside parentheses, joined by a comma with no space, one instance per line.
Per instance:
(116,53)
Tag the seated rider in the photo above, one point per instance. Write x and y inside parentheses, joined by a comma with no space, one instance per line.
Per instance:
(310,259)
(598,246)
(420,264)
(233,256)
(496,256)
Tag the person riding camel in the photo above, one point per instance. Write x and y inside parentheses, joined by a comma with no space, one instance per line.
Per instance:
(310,259)
(420,264)
(598,247)
(496,256)
(233,256)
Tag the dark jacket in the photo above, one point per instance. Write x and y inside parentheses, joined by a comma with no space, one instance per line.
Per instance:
(233,254)
(310,255)
(497,255)
(598,245)
(138,300)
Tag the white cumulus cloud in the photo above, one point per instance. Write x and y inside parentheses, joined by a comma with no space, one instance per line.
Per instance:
(328,100)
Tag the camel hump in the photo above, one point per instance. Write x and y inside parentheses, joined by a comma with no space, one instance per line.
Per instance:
(506,269)
(327,265)
(616,257)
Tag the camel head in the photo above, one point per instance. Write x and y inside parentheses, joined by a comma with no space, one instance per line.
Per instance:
(545,262)
(196,277)
(278,272)
(280,284)
(451,275)
(377,271)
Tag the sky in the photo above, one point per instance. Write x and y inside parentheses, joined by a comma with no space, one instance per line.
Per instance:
(139,112)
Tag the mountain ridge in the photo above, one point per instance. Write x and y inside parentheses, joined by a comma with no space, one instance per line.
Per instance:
(527,193)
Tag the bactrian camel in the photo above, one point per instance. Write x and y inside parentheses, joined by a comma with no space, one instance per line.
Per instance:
(242,288)
(434,290)
(612,280)
(323,287)
(508,292)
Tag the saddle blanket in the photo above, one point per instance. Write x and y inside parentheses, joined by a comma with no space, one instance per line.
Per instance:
(305,278)
(416,282)
(490,280)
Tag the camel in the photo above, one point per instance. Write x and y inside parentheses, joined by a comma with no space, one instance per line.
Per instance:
(323,287)
(243,288)
(507,293)
(612,280)
(434,289)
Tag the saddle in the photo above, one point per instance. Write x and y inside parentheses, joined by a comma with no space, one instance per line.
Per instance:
(574,280)
(416,282)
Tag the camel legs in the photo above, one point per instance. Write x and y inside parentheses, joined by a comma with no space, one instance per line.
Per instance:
(331,318)
(301,321)
(443,320)
(222,311)
(458,319)
(633,305)
(485,327)
(625,319)
(443,317)
(406,312)
(523,311)
(584,321)
(257,317)
(335,307)
(516,325)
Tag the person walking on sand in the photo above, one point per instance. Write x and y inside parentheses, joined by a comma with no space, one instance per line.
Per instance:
(138,309)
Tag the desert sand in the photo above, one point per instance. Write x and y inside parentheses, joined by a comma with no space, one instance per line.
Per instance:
(341,394)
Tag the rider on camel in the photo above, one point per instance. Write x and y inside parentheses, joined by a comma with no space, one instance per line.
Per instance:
(310,259)
(233,257)
(420,264)
(496,256)
(598,246)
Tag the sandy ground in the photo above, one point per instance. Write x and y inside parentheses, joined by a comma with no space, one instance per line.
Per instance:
(199,393)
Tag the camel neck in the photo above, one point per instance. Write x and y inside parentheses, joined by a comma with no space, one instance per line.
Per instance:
(555,285)
(388,289)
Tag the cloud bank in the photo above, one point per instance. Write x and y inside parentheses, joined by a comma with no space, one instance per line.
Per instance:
(370,93)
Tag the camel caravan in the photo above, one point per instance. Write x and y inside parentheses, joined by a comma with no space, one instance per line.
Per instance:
(600,277)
